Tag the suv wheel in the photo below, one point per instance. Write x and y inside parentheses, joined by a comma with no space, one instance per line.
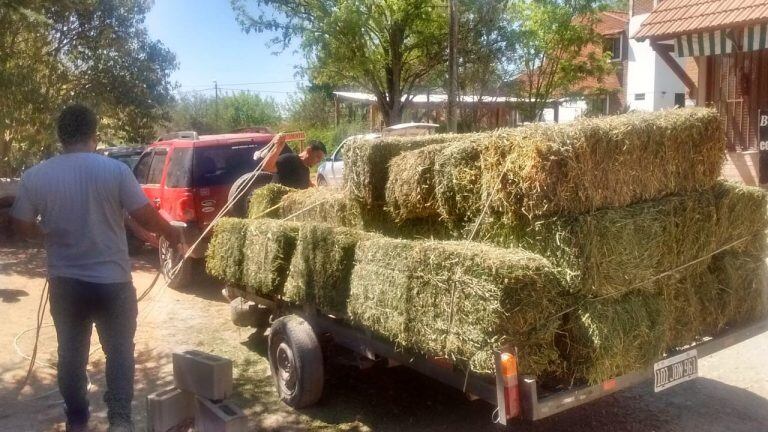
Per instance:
(169,259)
(321,181)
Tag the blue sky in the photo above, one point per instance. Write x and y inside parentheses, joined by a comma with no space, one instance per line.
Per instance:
(210,45)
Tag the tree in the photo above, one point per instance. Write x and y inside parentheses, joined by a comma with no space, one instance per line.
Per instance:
(387,47)
(554,44)
(96,52)
(206,115)
(483,46)
(617,5)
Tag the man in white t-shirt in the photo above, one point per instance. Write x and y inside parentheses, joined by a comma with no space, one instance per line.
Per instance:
(76,201)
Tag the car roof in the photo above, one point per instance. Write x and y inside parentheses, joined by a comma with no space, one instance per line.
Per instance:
(216,140)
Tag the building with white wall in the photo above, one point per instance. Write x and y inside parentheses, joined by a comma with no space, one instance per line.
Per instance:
(651,84)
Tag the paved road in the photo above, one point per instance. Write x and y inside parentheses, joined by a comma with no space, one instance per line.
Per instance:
(731,395)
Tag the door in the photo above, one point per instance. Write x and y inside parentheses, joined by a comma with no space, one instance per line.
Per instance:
(149,173)
(337,166)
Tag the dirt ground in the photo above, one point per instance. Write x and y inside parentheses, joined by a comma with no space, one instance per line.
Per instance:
(730,395)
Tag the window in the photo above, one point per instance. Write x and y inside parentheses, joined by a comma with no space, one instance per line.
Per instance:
(639,96)
(180,168)
(156,168)
(613,45)
(339,155)
(215,166)
(142,167)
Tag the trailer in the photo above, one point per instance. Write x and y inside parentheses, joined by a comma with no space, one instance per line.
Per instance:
(296,361)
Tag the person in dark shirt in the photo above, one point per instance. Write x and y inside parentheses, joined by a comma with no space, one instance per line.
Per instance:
(291,169)
(281,165)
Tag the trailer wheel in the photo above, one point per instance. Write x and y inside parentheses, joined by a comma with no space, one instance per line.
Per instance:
(296,361)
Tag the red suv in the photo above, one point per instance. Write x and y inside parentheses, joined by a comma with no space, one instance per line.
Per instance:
(188,178)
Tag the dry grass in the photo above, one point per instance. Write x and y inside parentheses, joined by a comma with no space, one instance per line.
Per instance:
(458,300)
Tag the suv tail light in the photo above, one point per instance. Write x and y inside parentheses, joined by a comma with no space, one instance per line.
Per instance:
(185,208)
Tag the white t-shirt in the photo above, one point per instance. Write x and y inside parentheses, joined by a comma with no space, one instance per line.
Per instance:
(81,199)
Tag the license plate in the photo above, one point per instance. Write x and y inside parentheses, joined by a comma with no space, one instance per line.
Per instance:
(674,370)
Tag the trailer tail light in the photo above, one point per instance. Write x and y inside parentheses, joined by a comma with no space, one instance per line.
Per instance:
(507,387)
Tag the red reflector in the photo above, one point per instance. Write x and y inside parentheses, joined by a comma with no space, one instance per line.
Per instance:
(513,401)
(609,385)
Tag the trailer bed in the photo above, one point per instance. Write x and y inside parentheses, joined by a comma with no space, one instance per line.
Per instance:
(530,402)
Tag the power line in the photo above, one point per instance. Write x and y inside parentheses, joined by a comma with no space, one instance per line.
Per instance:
(245,84)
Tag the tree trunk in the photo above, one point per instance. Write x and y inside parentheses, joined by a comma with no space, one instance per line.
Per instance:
(392,107)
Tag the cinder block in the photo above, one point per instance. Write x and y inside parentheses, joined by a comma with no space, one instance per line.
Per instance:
(219,417)
(169,408)
(206,375)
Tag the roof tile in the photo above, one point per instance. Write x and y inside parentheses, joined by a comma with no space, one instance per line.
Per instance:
(675,17)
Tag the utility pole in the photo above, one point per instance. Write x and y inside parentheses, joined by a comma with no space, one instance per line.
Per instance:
(453,67)
(216,100)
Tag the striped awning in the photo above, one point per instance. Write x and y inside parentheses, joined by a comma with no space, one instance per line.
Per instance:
(756,37)
(721,42)
(703,44)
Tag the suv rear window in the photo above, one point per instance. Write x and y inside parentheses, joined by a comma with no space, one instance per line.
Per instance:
(179,168)
(215,166)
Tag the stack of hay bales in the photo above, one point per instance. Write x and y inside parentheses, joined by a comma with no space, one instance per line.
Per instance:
(458,300)
(595,246)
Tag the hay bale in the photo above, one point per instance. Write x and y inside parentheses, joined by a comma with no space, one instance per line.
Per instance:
(333,207)
(321,205)
(268,250)
(410,190)
(610,337)
(322,267)
(600,163)
(366,165)
(739,294)
(264,201)
(610,251)
(458,183)
(224,257)
(458,300)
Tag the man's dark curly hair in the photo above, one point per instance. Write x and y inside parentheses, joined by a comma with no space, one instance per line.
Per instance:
(77,123)
(317,146)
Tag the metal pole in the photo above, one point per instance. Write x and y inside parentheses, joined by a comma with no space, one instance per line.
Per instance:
(453,70)
(216,100)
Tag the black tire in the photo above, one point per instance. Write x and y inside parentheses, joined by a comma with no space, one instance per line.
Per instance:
(321,181)
(296,361)
(240,206)
(169,259)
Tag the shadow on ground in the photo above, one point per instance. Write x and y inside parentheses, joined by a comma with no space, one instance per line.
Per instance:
(201,284)
(38,406)
(22,258)
(12,295)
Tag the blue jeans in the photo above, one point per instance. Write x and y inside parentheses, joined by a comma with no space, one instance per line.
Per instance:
(76,306)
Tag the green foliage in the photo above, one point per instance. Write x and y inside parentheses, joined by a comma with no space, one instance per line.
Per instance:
(313,112)
(205,114)
(384,46)
(552,40)
(99,53)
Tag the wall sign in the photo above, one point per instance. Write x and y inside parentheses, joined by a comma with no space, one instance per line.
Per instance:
(762,144)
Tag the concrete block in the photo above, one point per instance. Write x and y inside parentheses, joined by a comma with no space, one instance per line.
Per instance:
(206,375)
(168,408)
(219,417)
